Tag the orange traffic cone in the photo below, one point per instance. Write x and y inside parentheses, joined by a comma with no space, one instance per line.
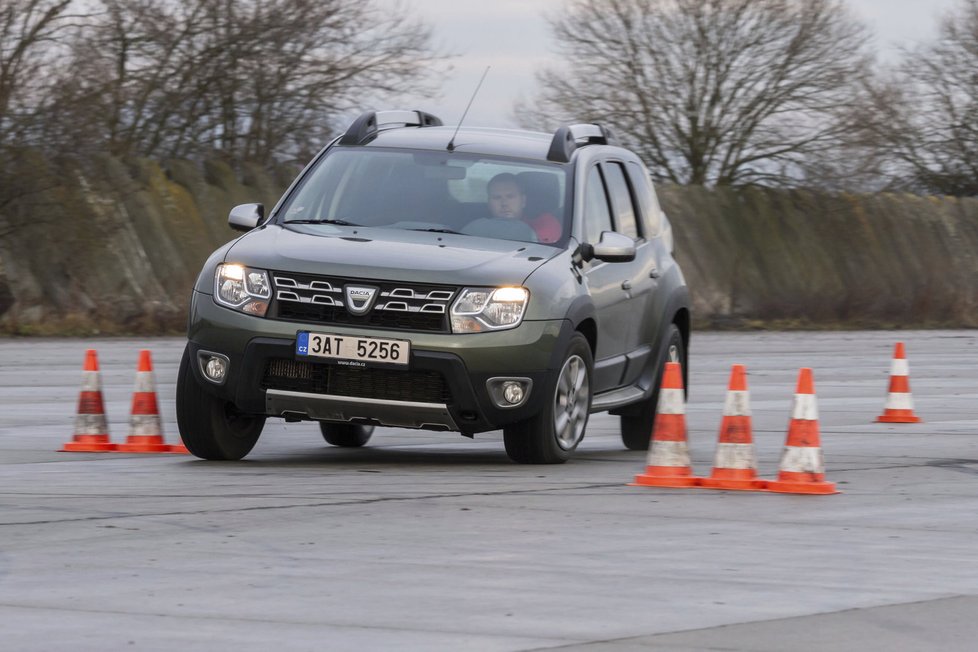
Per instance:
(899,403)
(668,459)
(735,463)
(91,429)
(145,427)
(802,465)
(178,448)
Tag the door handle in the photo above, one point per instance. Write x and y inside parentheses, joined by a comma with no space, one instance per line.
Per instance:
(626,285)
(654,274)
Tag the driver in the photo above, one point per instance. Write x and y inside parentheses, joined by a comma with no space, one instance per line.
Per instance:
(508,201)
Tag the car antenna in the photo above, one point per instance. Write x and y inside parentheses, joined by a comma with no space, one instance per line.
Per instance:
(451,143)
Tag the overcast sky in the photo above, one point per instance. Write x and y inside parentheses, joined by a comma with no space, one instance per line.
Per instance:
(512,37)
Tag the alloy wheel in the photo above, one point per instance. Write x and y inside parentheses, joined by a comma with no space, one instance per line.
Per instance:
(571,402)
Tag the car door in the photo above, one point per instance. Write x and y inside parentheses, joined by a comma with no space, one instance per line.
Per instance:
(609,284)
(640,276)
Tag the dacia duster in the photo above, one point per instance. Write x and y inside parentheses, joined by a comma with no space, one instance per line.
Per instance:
(445,278)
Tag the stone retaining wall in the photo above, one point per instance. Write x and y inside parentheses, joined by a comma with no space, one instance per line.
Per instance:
(114,247)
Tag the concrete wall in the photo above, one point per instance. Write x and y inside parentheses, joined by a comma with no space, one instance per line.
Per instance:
(114,247)
(807,259)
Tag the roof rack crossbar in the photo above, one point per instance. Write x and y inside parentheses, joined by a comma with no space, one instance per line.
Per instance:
(369,123)
(568,138)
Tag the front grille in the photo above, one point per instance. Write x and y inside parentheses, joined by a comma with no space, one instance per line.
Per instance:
(398,306)
(382,384)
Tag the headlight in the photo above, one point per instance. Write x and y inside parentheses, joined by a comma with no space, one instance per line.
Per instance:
(488,309)
(242,288)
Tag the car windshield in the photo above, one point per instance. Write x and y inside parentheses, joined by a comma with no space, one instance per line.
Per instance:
(434,191)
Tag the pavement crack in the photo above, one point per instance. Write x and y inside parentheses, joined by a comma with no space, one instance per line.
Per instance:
(961,466)
(337,503)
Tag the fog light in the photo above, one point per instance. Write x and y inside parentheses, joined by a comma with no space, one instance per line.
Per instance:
(215,369)
(509,392)
(214,366)
(513,392)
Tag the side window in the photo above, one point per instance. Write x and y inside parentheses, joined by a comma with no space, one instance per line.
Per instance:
(647,201)
(597,215)
(621,198)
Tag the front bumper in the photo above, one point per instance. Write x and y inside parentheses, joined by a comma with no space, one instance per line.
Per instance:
(334,407)
(444,387)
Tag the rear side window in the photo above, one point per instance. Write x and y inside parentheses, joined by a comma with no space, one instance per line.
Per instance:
(597,214)
(648,203)
(621,199)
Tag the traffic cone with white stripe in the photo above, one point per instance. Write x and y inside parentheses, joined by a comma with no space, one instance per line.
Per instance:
(668,462)
(802,468)
(145,426)
(899,402)
(91,429)
(735,463)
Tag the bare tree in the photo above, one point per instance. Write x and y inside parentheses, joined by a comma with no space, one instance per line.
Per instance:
(27,30)
(297,64)
(248,79)
(142,78)
(926,116)
(709,91)
(29,35)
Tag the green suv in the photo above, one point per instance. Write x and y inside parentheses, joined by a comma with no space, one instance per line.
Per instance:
(457,279)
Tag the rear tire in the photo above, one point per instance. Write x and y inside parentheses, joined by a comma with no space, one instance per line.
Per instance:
(346,435)
(553,434)
(212,428)
(636,429)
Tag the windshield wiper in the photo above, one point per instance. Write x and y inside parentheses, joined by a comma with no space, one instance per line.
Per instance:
(336,222)
(436,231)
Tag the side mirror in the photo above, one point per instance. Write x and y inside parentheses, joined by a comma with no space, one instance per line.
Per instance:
(245,217)
(613,248)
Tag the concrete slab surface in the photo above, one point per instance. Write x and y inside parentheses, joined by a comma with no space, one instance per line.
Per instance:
(944,624)
(430,541)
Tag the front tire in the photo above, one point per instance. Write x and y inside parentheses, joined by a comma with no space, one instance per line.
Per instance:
(212,428)
(553,434)
(636,429)
(346,435)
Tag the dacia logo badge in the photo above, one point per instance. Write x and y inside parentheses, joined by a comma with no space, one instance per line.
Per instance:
(360,298)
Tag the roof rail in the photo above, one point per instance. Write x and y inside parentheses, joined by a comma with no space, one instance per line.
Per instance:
(369,123)
(567,139)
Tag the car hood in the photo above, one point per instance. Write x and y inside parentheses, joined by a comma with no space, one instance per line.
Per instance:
(389,254)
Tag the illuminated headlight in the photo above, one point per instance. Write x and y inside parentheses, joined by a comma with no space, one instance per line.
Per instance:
(242,288)
(488,309)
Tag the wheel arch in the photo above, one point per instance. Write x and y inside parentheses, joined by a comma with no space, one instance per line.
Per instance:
(682,319)
(589,329)
(582,317)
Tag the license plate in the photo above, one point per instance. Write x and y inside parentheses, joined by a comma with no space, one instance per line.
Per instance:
(353,351)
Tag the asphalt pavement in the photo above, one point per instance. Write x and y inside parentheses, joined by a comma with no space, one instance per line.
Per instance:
(431,541)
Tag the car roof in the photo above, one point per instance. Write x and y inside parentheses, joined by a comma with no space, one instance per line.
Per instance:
(470,140)
(420,130)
